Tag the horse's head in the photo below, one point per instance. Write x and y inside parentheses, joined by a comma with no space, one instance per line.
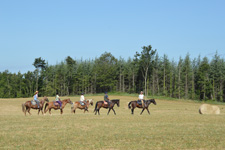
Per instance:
(153,101)
(91,102)
(118,103)
(69,101)
(46,99)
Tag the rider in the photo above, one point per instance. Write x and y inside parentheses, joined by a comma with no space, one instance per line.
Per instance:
(83,100)
(141,98)
(57,99)
(106,99)
(36,98)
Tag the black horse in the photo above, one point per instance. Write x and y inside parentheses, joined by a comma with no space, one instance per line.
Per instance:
(100,104)
(134,104)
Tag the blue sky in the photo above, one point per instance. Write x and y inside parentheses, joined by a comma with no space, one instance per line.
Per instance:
(85,29)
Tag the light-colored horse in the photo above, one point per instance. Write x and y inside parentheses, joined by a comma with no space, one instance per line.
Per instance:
(77,104)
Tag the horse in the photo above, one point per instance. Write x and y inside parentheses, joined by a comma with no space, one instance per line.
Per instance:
(28,105)
(78,105)
(56,106)
(100,104)
(134,104)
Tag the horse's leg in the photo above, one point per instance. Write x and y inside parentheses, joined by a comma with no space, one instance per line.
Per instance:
(46,110)
(132,111)
(38,111)
(61,111)
(142,111)
(41,110)
(29,111)
(114,111)
(148,111)
(98,111)
(108,111)
(25,111)
(50,112)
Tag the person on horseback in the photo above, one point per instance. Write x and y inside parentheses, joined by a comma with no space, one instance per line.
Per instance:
(83,100)
(36,98)
(57,99)
(106,98)
(141,98)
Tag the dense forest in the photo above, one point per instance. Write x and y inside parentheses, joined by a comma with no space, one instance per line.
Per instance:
(196,79)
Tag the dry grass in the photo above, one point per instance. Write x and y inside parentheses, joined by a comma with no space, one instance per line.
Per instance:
(171,125)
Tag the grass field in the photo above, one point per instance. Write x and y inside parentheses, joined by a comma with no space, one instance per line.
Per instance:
(171,125)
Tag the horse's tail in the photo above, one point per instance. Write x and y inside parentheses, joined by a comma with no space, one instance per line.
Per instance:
(129,105)
(23,107)
(45,106)
(96,107)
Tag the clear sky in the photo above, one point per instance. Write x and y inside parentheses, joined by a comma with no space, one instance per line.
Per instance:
(55,29)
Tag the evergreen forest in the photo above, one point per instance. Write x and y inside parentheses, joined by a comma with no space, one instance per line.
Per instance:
(195,79)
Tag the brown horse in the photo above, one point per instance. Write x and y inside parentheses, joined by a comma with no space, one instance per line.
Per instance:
(134,104)
(55,105)
(100,104)
(78,105)
(28,105)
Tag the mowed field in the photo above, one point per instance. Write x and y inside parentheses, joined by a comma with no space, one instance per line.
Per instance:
(171,125)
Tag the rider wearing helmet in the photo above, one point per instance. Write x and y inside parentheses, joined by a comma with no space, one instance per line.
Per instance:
(106,99)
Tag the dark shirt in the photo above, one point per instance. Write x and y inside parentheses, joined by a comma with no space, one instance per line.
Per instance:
(106,98)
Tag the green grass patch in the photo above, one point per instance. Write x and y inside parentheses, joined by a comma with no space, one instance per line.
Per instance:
(173,124)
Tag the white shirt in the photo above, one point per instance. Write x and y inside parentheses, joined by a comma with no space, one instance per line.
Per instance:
(82,98)
(141,96)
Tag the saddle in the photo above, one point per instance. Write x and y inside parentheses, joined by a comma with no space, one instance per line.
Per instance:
(55,103)
(33,102)
(81,103)
(106,103)
(139,102)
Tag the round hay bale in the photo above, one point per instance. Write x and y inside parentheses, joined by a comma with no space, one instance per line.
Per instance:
(209,109)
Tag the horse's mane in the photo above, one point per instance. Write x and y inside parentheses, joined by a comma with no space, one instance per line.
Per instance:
(115,100)
(90,100)
(150,100)
(65,99)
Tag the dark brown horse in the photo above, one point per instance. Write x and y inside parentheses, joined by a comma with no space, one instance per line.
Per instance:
(100,104)
(28,105)
(55,105)
(78,105)
(134,104)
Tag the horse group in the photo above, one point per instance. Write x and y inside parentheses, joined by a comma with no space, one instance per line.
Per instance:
(54,105)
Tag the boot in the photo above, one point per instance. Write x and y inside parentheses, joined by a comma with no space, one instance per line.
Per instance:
(109,104)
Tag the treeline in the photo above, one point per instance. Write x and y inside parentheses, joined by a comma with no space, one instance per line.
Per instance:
(197,79)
